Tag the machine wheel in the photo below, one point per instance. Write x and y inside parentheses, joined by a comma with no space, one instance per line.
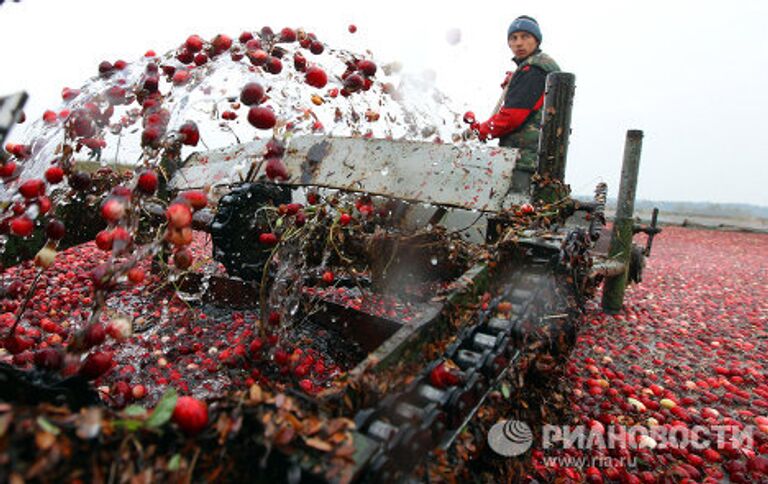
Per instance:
(237,224)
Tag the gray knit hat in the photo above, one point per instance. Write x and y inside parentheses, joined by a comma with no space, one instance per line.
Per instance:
(526,24)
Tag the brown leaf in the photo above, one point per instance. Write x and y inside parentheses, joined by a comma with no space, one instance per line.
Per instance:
(256,394)
(44,440)
(90,423)
(318,444)
(285,435)
(335,425)
(295,423)
(312,425)
(223,427)
(345,451)
(5,421)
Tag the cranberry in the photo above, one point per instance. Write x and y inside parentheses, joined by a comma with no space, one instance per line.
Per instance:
(316,77)
(252,93)
(190,414)
(262,117)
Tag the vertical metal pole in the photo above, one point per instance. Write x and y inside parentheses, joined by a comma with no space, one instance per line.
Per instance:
(621,237)
(554,132)
(556,124)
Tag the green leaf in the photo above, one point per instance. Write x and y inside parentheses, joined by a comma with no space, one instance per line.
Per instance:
(130,425)
(505,390)
(164,409)
(173,464)
(135,411)
(47,426)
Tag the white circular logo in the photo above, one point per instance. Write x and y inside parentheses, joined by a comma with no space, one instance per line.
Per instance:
(510,438)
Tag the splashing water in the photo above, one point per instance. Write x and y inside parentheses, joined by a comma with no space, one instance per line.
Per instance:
(392,104)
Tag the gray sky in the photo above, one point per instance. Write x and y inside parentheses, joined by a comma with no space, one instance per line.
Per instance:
(692,74)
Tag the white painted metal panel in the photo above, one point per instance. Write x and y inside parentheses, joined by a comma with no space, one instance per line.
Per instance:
(455,175)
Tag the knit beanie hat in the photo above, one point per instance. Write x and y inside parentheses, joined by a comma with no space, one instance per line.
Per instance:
(526,24)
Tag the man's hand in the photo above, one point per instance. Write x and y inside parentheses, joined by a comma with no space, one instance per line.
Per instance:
(482,130)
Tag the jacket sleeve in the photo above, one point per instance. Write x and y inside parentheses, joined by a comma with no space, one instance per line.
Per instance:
(524,96)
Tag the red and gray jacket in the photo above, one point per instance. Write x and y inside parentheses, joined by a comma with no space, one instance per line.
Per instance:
(517,122)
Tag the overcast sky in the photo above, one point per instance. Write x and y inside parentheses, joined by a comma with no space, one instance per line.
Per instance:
(693,75)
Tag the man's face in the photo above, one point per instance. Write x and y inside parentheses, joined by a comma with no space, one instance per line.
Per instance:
(522,44)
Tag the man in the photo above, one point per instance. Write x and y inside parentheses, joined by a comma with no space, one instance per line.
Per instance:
(516,120)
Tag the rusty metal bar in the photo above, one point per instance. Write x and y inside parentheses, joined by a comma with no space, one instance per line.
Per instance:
(556,124)
(623,225)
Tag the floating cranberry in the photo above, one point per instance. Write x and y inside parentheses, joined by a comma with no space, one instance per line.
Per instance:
(119,328)
(276,169)
(527,209)
(252,93)
(194,43)
(136,275)
(274,148)
(147,182)
(190,135)
(268,239)
(80,180)
(299,62)
(185,56)
(287,35)
(353,83)
(190,414)
(68,94)
(201,59)
(49,359)
(121,239)
(245,37)
(257,57)
(316,47)
(54,175)
(81,123)
(196,198)
(316,77)
(182,259)
(179,215)
(262,117)
(151,135)
(255,347)
(116,95)
(307,385)
(113,209)
(180,77)
(104,240)
(442,377)
(139,391)
(8,169)
(50,117)
(274,65)
(22,226)
(105,68)
(367,67)
(32,188)
(221,43)
(328,277)
(179,237)
(96,364)
(55,229)
(95,334)
(352,28)
(345,219)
